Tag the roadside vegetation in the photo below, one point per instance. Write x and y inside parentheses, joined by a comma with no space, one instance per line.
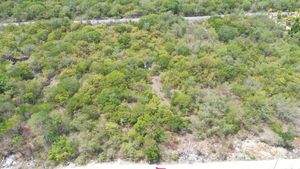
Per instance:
(83,92)
(24,10)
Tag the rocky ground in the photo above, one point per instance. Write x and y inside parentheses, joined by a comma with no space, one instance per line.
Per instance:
(15,162)
(190,150)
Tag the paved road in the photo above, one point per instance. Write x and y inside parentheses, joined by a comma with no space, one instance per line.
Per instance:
(269,164)
(126,20)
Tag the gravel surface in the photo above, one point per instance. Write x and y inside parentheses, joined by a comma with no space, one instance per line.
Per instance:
(270,164)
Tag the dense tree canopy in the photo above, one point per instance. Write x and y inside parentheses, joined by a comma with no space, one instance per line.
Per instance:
(23,10)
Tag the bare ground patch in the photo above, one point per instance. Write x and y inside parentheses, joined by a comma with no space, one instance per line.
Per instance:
(157,88)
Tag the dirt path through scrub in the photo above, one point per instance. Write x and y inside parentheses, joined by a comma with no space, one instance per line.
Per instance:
(157,87)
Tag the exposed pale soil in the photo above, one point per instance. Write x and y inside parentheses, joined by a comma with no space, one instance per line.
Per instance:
(156,87)
(127,20)
(270,164)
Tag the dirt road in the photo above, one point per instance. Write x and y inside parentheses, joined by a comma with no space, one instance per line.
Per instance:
(126,20)
(269,164)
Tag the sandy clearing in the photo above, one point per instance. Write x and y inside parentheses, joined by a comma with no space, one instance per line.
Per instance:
(268,164)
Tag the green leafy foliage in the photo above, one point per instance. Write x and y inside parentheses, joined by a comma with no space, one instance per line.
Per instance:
(29,10)
(62,150)
(122,91)
(295,26)
(286,136)
(3,83)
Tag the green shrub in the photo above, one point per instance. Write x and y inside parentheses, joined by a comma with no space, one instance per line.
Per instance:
(64,90)
(124,41)
(62,150)
(227,33)
(217,115)
(295,27)
(10,124)
(182,49)
(152,154)
(23,71)
(152,151)
(16,141)
(87,34)
(3,83)
(183,101)
(286,136)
